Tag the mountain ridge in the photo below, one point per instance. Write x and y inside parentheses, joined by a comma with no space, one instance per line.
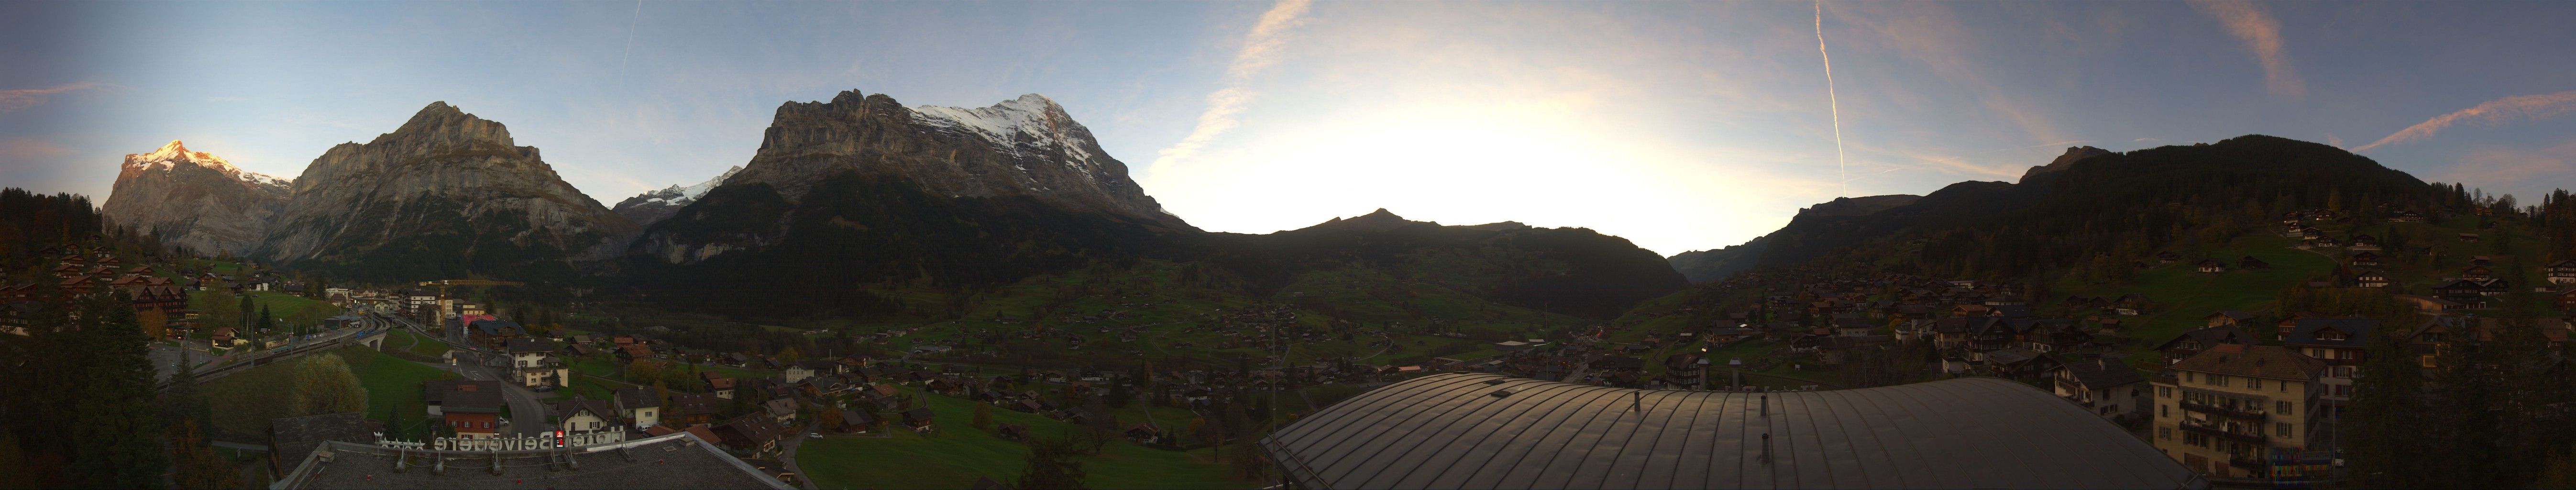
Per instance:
(194,199)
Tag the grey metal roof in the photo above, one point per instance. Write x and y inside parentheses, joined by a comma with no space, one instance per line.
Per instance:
(1452,431)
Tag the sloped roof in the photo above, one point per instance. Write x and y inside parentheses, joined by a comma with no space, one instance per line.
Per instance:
(1490,431)
(2259,361)
(2356,331)
(2103,373)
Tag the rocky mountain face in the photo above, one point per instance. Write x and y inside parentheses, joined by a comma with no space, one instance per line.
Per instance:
(194,199)
(652,207)
(446,195)
(862,188)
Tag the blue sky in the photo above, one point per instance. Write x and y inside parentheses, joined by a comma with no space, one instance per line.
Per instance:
(1677,125)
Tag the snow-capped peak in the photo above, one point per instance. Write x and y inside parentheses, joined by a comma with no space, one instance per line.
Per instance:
(175,152)
(1029,125)
(676,195)
(691,193)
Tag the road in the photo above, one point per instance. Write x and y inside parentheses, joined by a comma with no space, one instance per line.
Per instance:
(166,359)
(527,412)
(787,452)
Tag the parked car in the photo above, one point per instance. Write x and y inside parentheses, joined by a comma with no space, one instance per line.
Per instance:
(813,435)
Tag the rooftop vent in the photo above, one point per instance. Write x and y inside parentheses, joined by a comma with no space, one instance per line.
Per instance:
(1501,393)
(1493,381)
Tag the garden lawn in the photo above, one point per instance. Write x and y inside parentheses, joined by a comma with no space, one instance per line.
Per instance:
(959,454)
(244,402)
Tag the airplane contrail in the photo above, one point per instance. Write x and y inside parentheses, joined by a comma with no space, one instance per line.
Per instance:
(1832,101)
(637,18)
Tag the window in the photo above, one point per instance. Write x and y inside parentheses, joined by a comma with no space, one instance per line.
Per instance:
(2217,380)
(2164,411)
(2283,429)
(2254,383)
(2164,391)
(2165,433)
(2285,407)
(2187,376)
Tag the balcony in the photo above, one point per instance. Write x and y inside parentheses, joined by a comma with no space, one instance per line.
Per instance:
(2251,413)
(2250,437)
(2248,462)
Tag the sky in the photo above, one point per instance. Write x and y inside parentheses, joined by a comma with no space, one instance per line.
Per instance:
(1678,125)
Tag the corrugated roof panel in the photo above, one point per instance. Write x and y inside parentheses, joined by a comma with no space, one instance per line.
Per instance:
(1446,431)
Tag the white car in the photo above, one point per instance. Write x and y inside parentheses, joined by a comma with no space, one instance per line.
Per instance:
(813,435)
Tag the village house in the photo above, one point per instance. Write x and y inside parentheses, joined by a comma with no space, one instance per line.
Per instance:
(2340,344)
(534,361)
(638,407)
(436,392)
(583,415)
(689,409)
(780,410)
(2223,411)
(2106,386)
(472,411)
(919,419)
(2193,342)
(717,384)
(753,434)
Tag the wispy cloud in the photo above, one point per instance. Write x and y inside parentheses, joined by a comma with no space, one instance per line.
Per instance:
(2505,167)
(15,99)
(1260,50)
(24,150)
(2262,35)
(2493,112)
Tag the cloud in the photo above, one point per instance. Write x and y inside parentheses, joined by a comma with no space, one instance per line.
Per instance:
(15,99)
(2262,35)
(1260,50)
(2493,112)
(2506,167)
(21,150)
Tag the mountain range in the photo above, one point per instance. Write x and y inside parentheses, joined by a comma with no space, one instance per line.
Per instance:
(845,201)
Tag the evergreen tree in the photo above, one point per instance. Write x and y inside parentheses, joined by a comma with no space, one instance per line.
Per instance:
(2383,428)
(1120,393)
(2463,453)
(393,424)
(198,465)
(115,444)
(183,401)
(1051,465)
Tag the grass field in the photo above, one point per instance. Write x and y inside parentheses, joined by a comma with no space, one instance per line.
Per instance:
(404,340)
(244,402)
(2184,297)
(959,454)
